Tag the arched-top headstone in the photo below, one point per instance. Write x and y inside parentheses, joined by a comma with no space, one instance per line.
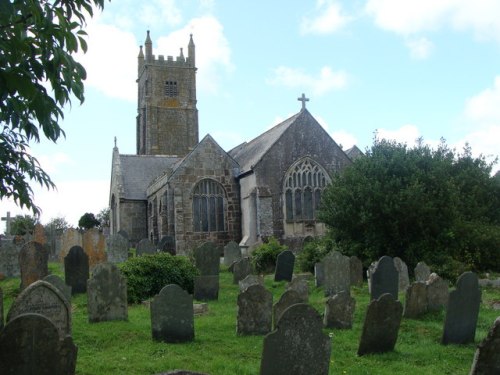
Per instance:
(402,268)
(33,262)
(487,358)
(60,285)
(336,268)
(232,253)
(255,306)
(284,266)
(145,246)
(422,272)
(76,269)
(385,278)
(167,245)
(287,299)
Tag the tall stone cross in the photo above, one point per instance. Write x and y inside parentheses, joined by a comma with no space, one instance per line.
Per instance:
(7,220)
(303,99)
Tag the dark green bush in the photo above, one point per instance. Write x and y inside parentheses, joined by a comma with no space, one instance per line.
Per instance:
(148,274)
(264,256)
(313,252)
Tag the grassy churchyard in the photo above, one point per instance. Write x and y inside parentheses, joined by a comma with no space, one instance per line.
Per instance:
(127,347)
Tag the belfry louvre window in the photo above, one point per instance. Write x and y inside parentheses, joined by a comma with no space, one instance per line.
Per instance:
(208,207)
(304,184)
(171,89)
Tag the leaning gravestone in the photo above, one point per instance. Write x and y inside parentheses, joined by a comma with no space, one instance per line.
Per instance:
(437,293)
(356,271)
(416,300)
(172,316)
(255,306)
(250,280)
(207,261)
(94,245)
(422,271)
(385,278)
(107,294)
(45,299)
(287,299)
(463,310)
(337,273)
(319,275)
(9,258)
(60,285)
(284,266)
(381,326)
(241,269)
(30,344)
(298,345)
(487,356)
(339,311)
(76,270)
(232,253)
(300,285)
(33,262)
(144,247)
(117,246)
(404,279)
(167,245)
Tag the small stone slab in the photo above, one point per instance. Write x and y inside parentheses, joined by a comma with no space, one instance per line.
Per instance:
(117,248)
(299,284)
(9,258)
(33,262)
(487,356)
(287,299)
(385,278)
(60,285)
(255,307)
(298,345)
(339,311)
(381,326)
(404,279)
(437,293)
(172,315)
(206,288)
(232,253)
(144,247)
(416,300)
(356,271)
(167,245)
(251,280)
(284,266)
(241,269)
(422,272)
(207,259)
(200,308)
(463,311)
(337,273)
(319,275)
(76,269)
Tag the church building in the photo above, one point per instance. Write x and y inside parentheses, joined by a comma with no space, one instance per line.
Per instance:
(191,191)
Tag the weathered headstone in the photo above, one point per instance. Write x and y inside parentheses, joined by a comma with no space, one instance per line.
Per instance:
(381,326)
(487,356)
(71,237)
(437,293)
(144,247)
(207,259)
(39,234)
(232,253)
(298,345)
(94,245)
(369,274)
(422,272)
(167,245)
(76,270)
(404,279)
(299,284)
(33,262)
(339,311)
(9,258)
(60,285)
(287,299)
(30,344)
(250,280)
(284,266)
(172,316)
(385,278)
(45,299)
(416,300)
(206,288)
(319,275)
(255,306)
(463,310)
(241,269)
(337,273)
(107,294)
(356,271)
(117,247)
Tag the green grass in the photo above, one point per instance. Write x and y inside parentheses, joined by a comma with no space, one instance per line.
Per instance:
(127,347)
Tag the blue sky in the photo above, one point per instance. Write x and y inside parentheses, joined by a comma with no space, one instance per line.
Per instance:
(403,68)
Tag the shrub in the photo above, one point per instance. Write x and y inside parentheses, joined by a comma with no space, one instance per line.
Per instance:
(148,274)
(264,256)
(313,252)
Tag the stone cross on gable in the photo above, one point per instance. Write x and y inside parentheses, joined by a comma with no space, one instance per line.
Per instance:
(303,99)
(8,220)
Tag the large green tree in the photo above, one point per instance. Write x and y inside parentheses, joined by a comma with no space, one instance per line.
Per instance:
(417,203)
(22,225)
(38,75)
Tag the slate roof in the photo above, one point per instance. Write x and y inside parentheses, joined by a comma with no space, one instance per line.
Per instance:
(354,152)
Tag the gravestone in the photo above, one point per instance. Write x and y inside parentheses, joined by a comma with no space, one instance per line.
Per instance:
(76,270)
(45,299)
(30,344)
(250,280)
(1,309)
(255,307)
(298,345)
(287,299)
(336,268)
(381,326)
(339,311)
(437,293)
(356,271)
(284,266)
(319,275)
(117,247)
(241,269)
(71,237)
(369,273)
(384,279)
(232,253)
(206,288)
(94,245)
(9,258)
(107,294)
(487,357)
(172,315)
(404,279)
(299,284)
(60,285)
(416,300)
(167,245)
(124,233)
(207,259)
(422,272)
(144,247)
(463,310)
(33,263)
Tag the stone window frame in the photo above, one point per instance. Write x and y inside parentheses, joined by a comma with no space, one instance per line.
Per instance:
(304,183)
(171,89)
(209,206)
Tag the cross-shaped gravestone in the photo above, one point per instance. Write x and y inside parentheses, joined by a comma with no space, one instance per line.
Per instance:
(303,99)
(7,220)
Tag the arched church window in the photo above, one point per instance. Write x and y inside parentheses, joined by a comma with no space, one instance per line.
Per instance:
(171,89)
(208,206)
(304,183)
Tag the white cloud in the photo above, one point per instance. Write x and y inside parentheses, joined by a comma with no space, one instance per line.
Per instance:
(156,13)
(326,81)
(485,106)
(420,48)
(51,163)
(344,138)
(326,19)
(405,134)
